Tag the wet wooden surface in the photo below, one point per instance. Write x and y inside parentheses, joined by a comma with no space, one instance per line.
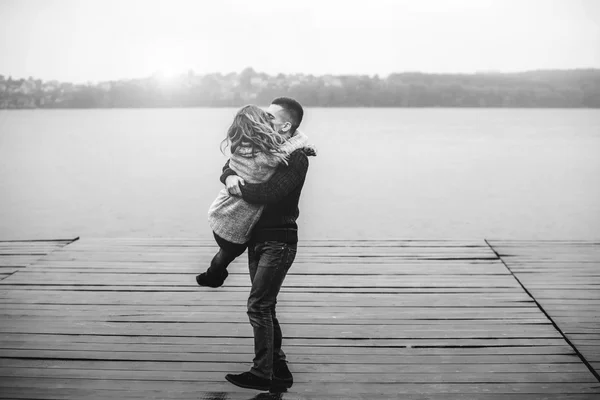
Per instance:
(564,277)
(124,318)
(17,254)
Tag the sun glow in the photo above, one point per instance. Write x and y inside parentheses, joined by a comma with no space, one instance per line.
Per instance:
(168,73)
(166,61)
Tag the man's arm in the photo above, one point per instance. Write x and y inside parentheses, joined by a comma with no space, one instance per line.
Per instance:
(282,183)
(226,172)
(231,181)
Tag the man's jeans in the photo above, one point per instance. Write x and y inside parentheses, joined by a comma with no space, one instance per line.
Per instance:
(269,263)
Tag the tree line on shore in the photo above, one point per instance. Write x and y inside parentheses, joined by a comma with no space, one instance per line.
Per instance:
(543,88)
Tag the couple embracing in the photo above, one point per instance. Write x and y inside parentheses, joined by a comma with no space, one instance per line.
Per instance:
(257,211)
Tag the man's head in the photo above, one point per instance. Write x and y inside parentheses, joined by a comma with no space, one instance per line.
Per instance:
(286,115)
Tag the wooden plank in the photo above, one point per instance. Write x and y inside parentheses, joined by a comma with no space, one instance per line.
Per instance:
(295,330)
(425,310)
(306,377)
(193,289)
(294,317)
(316,387)
(109,394)
(548,347)
(488,324)
(376,361)
(495,268)
(424,345)
(9,270)
(297,368)
(18,260)
(26,277)
(77,394)
(200,298)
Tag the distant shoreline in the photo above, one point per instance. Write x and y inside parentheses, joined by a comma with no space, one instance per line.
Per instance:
(308,107)
(534,89)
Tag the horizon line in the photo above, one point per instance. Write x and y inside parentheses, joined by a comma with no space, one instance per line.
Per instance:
(372,75)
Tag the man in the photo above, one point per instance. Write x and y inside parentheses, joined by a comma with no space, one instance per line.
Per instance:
(271,251)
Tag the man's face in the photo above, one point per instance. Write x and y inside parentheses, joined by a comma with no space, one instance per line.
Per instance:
(279,119)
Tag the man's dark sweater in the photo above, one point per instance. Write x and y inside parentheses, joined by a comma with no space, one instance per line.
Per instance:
(280,195)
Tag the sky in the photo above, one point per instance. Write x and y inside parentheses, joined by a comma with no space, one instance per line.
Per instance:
(100,40)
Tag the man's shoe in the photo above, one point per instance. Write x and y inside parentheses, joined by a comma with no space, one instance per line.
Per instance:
(206,279)
(282,375)
(249,381)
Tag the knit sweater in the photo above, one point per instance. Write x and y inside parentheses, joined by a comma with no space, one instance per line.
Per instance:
(281,195)
(231,217)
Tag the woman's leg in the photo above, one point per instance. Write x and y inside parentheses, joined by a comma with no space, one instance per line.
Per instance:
(217,272)
(220,262)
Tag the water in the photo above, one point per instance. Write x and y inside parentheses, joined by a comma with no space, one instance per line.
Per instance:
(380,173)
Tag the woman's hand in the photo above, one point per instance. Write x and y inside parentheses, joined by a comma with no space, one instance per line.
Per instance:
(233,183)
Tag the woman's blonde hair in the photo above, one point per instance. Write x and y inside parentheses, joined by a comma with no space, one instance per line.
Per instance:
(252,127)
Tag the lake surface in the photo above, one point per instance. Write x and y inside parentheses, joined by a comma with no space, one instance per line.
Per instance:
(380,173)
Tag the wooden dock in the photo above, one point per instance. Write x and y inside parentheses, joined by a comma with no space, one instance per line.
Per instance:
(388,319)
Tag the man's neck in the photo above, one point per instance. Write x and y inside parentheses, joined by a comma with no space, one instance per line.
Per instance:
(288,135)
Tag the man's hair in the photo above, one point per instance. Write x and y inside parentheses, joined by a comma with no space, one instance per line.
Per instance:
(293,110)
